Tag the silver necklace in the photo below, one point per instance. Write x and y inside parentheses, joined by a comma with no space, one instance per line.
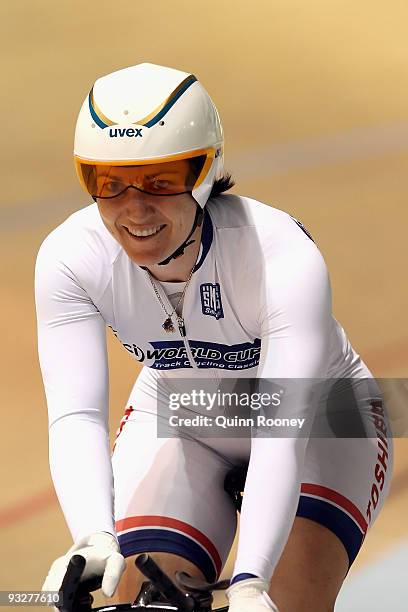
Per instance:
(168,323)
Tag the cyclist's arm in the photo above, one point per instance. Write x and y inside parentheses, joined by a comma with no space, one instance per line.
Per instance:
(72,352)
(295,323)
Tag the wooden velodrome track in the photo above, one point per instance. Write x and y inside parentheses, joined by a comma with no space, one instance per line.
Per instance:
(314,101)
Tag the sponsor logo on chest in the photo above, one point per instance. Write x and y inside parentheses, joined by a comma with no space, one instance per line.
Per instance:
(211,300)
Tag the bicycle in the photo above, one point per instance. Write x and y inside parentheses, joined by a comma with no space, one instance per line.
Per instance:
(159,593)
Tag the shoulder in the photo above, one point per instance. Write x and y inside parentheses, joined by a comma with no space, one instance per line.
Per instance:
(263,250)
(80,232)
(80,246)
(266,228)
(229,210)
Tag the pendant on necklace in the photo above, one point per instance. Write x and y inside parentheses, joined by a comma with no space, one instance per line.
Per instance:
(168,325)
(181,326)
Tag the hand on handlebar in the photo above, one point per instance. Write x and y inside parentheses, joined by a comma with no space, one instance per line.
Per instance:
(103,558)
(250,595)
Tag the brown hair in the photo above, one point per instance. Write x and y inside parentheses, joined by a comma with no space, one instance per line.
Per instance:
(220,185)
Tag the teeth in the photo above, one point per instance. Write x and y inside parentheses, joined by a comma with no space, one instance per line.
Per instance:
(146,232)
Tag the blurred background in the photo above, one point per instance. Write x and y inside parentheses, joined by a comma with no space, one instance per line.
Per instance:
(314,101)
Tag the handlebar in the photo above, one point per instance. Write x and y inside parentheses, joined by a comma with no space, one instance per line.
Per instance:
(197,597)
(167,588)
(75,595)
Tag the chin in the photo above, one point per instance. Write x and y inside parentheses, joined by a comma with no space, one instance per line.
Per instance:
(146,259)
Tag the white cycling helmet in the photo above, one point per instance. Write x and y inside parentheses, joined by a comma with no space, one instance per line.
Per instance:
(149,114)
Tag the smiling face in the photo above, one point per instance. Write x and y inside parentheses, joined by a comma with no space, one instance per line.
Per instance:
(148,227)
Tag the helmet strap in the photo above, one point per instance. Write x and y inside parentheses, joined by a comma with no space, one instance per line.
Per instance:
(198,219)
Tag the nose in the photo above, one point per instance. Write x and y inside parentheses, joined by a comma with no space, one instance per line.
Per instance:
(138,200)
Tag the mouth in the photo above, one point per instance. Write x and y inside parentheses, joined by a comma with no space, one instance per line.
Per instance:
(144,234)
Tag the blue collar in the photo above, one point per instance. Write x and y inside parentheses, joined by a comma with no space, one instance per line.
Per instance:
(207,236)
